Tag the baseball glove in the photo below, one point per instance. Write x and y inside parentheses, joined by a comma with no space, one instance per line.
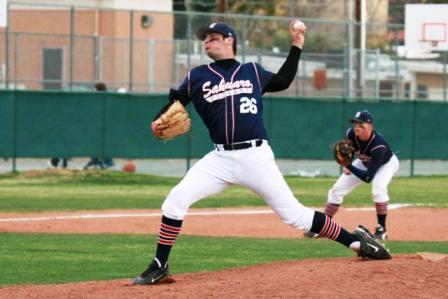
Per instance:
(343,151)
(174,122)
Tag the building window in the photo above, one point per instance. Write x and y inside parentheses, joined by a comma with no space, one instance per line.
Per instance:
(52,72)
(422,91)
(407,91)
(386,89)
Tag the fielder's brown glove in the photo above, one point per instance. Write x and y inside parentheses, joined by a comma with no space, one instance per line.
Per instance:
(174,122)
(343,151)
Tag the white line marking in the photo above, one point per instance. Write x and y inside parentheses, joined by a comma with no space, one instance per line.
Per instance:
(159,214)
(130,215)
(394,206)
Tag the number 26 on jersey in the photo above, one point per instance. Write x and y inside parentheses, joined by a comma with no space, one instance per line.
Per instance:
(248,105)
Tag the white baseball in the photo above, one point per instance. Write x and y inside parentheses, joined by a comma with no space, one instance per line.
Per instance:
(298,25)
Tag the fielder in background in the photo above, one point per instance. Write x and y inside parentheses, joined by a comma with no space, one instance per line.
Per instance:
(227,96)
(375,163)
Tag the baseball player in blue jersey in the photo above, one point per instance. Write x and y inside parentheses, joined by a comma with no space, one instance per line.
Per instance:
(227,96)
(375,163)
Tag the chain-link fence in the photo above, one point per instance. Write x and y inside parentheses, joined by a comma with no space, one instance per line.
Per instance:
(70,48)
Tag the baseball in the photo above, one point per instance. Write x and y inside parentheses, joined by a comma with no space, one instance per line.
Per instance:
(298,25)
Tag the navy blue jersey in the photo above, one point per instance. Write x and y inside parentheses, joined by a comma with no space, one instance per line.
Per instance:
(228,101)
(374,153)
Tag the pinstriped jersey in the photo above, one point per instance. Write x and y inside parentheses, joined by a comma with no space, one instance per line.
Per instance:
(373,152)
(228,100)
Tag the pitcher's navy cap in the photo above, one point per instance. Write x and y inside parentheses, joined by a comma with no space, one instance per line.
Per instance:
(220,28)
(363,116)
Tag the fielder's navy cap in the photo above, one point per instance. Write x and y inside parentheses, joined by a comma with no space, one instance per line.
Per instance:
(363,116)
(220,28)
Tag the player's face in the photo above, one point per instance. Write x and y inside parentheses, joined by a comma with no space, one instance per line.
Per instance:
(363,130)
(217,46)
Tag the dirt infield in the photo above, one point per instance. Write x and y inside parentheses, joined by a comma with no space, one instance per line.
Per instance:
(413,276)
(403,224)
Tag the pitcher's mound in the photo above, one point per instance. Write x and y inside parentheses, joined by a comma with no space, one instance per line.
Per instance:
(402,277)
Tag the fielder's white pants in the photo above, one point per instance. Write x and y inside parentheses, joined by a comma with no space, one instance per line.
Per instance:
(254,168)
(346,183)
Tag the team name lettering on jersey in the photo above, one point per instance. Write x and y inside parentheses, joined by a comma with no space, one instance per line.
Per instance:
(225,89)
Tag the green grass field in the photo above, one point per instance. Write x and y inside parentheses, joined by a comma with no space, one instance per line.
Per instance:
(116,190)
(57,258)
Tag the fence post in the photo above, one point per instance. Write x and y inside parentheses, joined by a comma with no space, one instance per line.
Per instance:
(15,59)
(72,44)
(397,68)
(349,52)
(131,48)
(104,124)
(413,123)
(14,132)
(96,58)
(377,74)
(445,83)
(343,114)
(176,65)
(7,46)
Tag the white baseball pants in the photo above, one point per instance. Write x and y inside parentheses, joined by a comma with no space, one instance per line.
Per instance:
(254,168)
(346,183)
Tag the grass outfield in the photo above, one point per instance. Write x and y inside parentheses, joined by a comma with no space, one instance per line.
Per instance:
(52,191)
(58,258)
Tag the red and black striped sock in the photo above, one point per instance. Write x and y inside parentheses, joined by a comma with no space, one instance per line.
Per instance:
(331,209)
(325,227)
(169,229)
(381,213)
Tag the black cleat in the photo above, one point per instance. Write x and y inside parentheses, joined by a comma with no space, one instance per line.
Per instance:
(155,273)
(380,233)
(370,247)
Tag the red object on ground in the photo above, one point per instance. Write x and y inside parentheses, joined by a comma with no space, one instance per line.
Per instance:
(129,166)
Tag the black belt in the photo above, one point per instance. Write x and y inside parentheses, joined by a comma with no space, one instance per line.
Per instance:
(239,146)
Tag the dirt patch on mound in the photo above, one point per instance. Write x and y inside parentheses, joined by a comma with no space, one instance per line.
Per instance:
(325,278)
(420,224)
